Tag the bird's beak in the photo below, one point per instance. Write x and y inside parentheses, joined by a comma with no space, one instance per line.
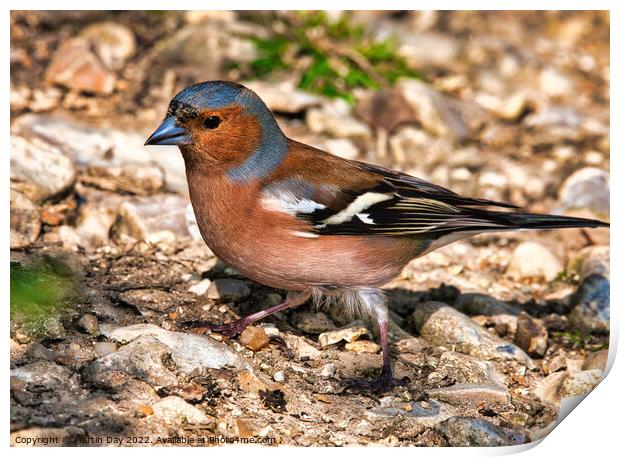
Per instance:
(169,133)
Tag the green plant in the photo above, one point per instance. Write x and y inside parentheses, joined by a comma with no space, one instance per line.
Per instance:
(329,57)
(40,292)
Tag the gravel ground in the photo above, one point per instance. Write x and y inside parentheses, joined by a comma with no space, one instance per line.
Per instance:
(492,333)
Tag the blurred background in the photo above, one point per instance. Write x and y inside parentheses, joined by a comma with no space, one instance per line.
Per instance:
(511,106)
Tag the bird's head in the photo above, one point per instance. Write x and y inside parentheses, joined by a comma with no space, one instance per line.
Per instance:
(225,126)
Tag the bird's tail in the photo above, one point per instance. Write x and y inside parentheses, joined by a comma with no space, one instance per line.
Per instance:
(544,221)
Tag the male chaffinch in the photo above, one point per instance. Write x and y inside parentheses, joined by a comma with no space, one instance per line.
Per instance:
(294,217)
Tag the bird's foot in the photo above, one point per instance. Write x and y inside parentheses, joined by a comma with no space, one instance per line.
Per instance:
(382,384)
(228,330)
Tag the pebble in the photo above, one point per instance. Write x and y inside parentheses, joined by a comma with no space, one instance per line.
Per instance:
(249,428)
(103,348)
(175,410)
(586,188)
(441,324)
(534,260)
(554,84)
(131,178)
(435,111)
(425,413)
(428,49)
(25,221)
(254,338)
(464,369)
(303,349)
(591,305)
(143,358)
(531,335)
(335,119)
(42,165)
(348,334)
(596,360)
(75,66)
(89,324)
(580,382)
(228,290)
(278,376)
(328,370)
(153,219)
(200,288)
(363,347)
(249,382)
(189,351)
(113,43)
(463,431)
(472,395)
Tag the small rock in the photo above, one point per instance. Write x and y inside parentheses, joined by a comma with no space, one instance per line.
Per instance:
(228,290)
(153,219)
(464,369)
(349,334)
(103,348)
(443,325)
(591,305)
(580,383)
(89,324)
(422,50)
(411,345)
(143,358)
(76,67)
(46,375)
(554,84)
(435,111)
(189,351)
(278,376)
(596,360)
(533,260)
(363,347)
(472,395)
(593,260)
(113,43)
(587,188)
(466,431)
(137,179)
(249,382)
(313,322)
(554,363)
(254,338)
(334,118)
(303,349)
(328,370)
(248,428)
(25,221)
(385,109)
(175,410)
(201,287)
(283,96)
(41,164)
(424,413)
(531,335)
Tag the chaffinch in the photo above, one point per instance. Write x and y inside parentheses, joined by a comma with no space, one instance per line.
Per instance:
(294,217)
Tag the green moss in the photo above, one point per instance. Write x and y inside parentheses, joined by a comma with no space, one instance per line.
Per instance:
(331,57)
(40,293)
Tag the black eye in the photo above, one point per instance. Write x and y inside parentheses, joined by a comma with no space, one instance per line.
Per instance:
(212,122)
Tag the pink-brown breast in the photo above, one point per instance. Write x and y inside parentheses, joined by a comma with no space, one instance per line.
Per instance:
(262,245)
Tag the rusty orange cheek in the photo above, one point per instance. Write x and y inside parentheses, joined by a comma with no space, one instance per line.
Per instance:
(235,139)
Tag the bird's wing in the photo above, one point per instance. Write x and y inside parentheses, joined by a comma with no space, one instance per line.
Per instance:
(389,204)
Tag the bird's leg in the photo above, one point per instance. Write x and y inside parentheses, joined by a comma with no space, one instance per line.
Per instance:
(385,380)
(292,300)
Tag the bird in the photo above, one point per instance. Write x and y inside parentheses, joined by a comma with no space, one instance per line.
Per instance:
(321,227)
